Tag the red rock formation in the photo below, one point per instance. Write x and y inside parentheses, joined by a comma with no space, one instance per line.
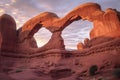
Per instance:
(105,24)
(97,57)
(28,41)
(100,61)
(97,41)
(86,44)
(80,46)
(8,32)
(4,76)
(28,45)
(48,20)
(103,21)
(0,39)
(51,22)
(34,24)
(56,42)
(9,37)
(0,50)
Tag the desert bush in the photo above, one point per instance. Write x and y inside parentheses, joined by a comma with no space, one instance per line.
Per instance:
(92,70)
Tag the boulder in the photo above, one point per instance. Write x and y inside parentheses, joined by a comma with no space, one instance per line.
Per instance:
(80,46)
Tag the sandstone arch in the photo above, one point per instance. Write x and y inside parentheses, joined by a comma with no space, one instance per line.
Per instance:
(40,19)
(88,11)
(51,22)
(48,20)
(106,23)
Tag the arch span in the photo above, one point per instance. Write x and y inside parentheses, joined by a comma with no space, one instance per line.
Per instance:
(105,23)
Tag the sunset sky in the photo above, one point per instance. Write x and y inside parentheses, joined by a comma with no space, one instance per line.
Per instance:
(23,10)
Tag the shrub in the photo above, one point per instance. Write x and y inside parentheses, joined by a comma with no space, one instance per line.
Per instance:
(116,73)
(93,70)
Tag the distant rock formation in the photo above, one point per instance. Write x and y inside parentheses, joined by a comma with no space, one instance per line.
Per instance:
(80,46)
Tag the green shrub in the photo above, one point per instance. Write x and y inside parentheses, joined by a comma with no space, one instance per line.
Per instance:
(92,70)
(18,70)
(116,73)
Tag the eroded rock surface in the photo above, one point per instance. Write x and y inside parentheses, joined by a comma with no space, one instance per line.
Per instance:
(8,32)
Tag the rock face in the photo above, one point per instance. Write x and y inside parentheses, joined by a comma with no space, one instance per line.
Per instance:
(98,62)
(5,77)
(9,40)
(45,19)
(8,32)
(93,42)
(0,49)
(0,39)
(27,44)
(107,24)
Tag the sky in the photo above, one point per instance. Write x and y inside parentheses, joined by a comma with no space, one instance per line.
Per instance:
(23,10)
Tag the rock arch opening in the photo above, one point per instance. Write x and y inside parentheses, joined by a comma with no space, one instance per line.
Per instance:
(42,36)
(76,32)
(40,33)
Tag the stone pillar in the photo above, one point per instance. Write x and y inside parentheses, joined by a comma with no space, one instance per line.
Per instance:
(0,52)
